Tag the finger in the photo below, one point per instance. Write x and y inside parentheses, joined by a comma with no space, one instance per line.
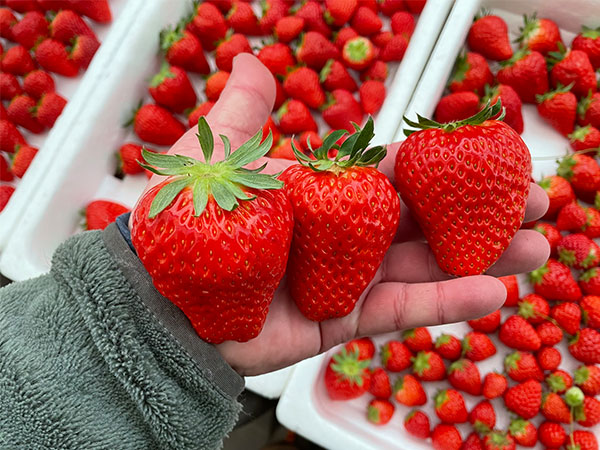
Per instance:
(397,306)
(527,251)
(537,203)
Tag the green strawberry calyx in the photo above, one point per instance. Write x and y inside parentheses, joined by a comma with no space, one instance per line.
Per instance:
(487,113)
(170,36)
(352,152)
(567,256)
(529,28)
(581,375)
(516,57)
(224,180)
(326,70)
(461,67)
(456,365)
(358,49)
(421,363)
(442,339)
(511,361)
(441,398)
(537,275)
(590,33)
(160,77)
(518,426)
(560,89)
(588,275)
(373,414)
(349,367)
(584,104)
(556,383)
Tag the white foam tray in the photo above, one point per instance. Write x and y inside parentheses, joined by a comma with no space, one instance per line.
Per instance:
(304,406)
(91,130)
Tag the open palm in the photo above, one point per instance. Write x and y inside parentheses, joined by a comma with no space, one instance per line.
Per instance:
(408,289)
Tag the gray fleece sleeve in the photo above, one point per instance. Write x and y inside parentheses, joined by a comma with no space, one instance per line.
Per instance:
(91,356)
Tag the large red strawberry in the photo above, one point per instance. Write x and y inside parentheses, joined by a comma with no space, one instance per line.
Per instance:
(448,347)
(172,89)
(534,309)
(582,440)
(241,19)
(409,391)
(522,366)
(338,12)
(571,217)
(315,50)
(52,55)
(67,25)
(332,180)
(395,356)
(494,385)
(567,315)
(303,84)
(450,406)
(519,334)
(156,125)
(347,376)
(101,213)
(584,138)
(541,35)
(585,346)
(588,110)
(446,437)
(551,434)
(288,28)
(478,346)
(573,66)
(21,111)
(335,76)
(341,110)
(416,423)
(38,83)
(464,375)
(48,108)
(183,49)
(578,251)
(429,366)
(380,383)
(471,73)
(559,108)
(97,10)
(554,408)
(295,117)
(463,180)
(554,281)
(31,29)
(588,41)
(22,159)
(229,48)
(208,24)
(218,301)
(10,136)
(510,101)
(526,73)
(17,60)
(489,36)
(277,57)
(483,416)
(524,399)
(9,86)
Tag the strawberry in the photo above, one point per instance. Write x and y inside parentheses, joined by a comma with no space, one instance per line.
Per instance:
(523,432)
(571,217)
(272,12)
(428,366)
(31,29)
(277,57)
(403,23)
(578,251)
(448,347)
(372,95)
(592,225)
(588,379)
(338,12)
(156,125)
(456,107)
(101,213)
(551,233)
(560,193)
(510,101)
(519,334)
(128,155)
(280,96)
(5,173)
(567,315)
(358,53)
(522,366)
(22,159)
(213,318)
(309,137)
(550,334)
(552,435)
(295,117)
(172,89)
(48,108)
(574,67)
(483,417)
(208,24)
(53,5)
(183,49)
(559,108)
(53,57)
(315,50)
(588,415)
(472,442)
(335,76)
(229,48)
(477,346)
(343,36)
(524,399)
(377,71)
(83,50)
(416,423)
(554,281)
(288,28)
(381,39)
(589,282)
(9,86)
(283,150)
(450,406)
(555,409)
(512,290)
(541,35)
(21,111)
(409,391)
(489,36)
(17,60)
(37,83)
(202,110)
(6,192)
(444,227)
(271,127)
(67,25)
(215,84)
(380,384)
(588,41)
(464,375)
(346,376)
(380,411)
(241,19)
(585,346)
(559,381)
(582,440)
(97,10)
(303,84)
(7,21)
(417,339)
(389,7)
(341,110)
(548,358)
(494,385)
(584,138)
(588,110)
(446,437)
(22,6)
(471,73)
(498,440)
(534,309)
(311,12)
(486,324)
(526,73)
(394,50)
(327,299)
(583,172)
(590,305)
(365,21)
(10,136)
(365,345)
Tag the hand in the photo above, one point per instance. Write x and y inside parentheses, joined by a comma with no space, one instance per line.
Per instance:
(408,290)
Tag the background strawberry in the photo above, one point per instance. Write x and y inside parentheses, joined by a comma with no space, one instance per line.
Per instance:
(574,67)
(183,49)
(489,36)
(416,423)
(346,376)
(588,41)
(101,213)
(22,159)
(559,108)
(588,110)
(172,89)
(541,35)
(471,73)
(156,125)
(526,73)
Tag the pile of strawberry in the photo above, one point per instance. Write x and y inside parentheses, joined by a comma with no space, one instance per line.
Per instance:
(38,37)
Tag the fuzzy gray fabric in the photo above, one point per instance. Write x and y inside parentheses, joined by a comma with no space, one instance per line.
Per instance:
(84,364)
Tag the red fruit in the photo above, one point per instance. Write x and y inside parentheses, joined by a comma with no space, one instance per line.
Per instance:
(7,21)
(571,217)
(380,40)
(283,150)
(338,12)
(416,424)
(242,19)
(560,193)
(450,406)
(573,67)
(347,376)
(512,290)
(549,358)
(97,10)
(582,440)
(335,76)
(53,5)
(343,36)
(457,106)
(5,173)
(22,159)
(380,411)
(477,346)
(9,86)
(101,213)
(377,71)
(208,24)
(592,225)
(395,356)
(541,35)
(489,36)
(280,96)
(534,309)
(473,442)
(448,347)
(380,384)
(366,22)
(156,125)
(172,89)
(313,18)
(471,73)
(312,138)
(588,379)
(589,282)
(588,110)
(184,50)
(31,29)
(83,50)
(303,84)
(559,108)
(517,333)
(403,23)
(6,193)
(202,110)
(524,399)
(10,136)
(551,233)
(494,385)
(315,50)
(273,11)
(271,127)
(358,53)
(552,435)
(417,339)
(295,117)
(389,7)
(554,281)
(526,73)
(365,347)
(21,111)
(559,381)
(446,437)
(16,60)
(588,415)
(588,41)
(590,305)
(278,58)
(523,432)
(372,96)
(229,48)
(428,366)
(511,103)
(578,251)
(288,28)
(342,110)
(486,324)
(549,333)
(483,416)
(522,366)
(53,57)
(464,375)
(215,84)
(555,409)
(129,154)
(585,346)
(408,391)
(568,316)
(394,50)
(584,138)
(49,107)
(67,25)
(38,83)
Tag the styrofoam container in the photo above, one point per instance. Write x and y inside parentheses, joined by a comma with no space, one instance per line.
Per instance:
(304,406)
